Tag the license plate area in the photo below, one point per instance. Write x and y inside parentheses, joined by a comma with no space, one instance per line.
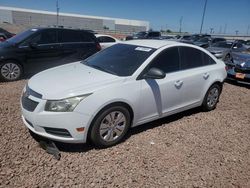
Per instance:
(240,75)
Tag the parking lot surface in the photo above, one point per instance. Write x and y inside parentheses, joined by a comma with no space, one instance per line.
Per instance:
(190,149)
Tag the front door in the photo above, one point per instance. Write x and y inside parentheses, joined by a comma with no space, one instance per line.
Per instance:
(41,51)
(161,96)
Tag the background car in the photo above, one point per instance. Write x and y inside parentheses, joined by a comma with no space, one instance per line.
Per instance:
(223,50)
(6,33)
(41,48)
(207,41)
(106,40)
(3,37)
(190,39)
(239,68)
(124,86)
(145,35)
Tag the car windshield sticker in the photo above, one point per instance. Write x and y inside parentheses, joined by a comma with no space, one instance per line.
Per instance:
(143,49)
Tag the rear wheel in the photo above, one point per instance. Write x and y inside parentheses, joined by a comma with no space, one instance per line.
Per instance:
(10,71)
(212,97)
(110,126)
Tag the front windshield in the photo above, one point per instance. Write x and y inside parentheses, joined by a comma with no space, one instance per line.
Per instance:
(119,59)
(21,36)
(195,38)
(203,40)
(223,44)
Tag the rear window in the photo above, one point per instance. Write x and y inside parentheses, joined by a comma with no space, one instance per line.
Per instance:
(119,59)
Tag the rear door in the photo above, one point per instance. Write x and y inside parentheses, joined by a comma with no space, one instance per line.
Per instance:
(196,68)
(76,45)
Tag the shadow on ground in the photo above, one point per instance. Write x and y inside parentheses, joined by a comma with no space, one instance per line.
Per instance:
(65,147)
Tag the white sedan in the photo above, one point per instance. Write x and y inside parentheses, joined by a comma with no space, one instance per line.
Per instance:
(106,40)
(126,85)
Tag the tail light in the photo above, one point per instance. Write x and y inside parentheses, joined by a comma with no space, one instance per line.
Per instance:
(98,46)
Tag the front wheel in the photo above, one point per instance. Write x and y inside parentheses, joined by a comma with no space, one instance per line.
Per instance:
(211,98)
(110,126)
(10,71)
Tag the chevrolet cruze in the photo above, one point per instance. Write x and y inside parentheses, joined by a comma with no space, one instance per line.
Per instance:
(123,86)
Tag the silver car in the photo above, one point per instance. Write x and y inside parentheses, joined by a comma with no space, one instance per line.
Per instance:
(223,50)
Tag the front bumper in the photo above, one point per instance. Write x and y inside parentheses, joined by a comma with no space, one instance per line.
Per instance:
(51,124)
(233,75)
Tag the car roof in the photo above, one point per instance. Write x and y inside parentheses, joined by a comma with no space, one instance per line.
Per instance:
(151,43)
(103,35)
(58,28)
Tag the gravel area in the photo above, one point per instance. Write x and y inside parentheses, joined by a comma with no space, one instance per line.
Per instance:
(191,149)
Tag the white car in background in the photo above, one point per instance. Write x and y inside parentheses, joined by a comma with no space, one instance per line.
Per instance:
(106,40)
(126,85)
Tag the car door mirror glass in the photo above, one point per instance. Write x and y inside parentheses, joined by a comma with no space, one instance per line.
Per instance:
(154,73)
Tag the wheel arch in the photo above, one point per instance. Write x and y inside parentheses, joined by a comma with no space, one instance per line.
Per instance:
(12,59)
(117,103)
(218,82)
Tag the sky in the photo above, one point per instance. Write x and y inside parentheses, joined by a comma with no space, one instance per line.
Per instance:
(223,16)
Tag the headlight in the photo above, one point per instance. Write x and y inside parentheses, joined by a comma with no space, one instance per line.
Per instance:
(64,105)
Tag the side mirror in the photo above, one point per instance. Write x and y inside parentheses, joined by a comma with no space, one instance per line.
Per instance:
(33,45)
(154,73)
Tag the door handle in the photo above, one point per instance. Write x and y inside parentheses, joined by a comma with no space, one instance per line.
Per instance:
(205,75)
(178,83)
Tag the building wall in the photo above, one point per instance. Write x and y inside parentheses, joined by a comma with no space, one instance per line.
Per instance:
(34,18)
(5,16)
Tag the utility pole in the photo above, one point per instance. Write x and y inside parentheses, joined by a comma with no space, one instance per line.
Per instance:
(225,28)
(220,30)
(57,13)
(248,29)
(180,24)
(236,32)
(211,30)
(204,11)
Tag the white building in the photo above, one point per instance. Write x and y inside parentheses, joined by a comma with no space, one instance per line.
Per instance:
(28,17)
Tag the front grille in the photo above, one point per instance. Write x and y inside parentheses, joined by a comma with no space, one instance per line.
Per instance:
(57,132)
(29,104)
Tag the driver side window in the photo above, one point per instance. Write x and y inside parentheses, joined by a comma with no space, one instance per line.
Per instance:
(44,37)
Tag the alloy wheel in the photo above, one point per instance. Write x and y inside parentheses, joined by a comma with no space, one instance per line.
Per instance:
(112,126)
(10,71)
(212,97)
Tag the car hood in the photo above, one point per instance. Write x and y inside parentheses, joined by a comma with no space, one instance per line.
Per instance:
(71,80)
(241,59)
(200,43)
(6,44)
(217,49)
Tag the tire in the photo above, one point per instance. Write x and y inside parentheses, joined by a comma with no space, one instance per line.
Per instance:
(10,71)
(211,98)
(105,131)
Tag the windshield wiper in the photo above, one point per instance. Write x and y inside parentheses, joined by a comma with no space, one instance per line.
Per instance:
(102,69)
